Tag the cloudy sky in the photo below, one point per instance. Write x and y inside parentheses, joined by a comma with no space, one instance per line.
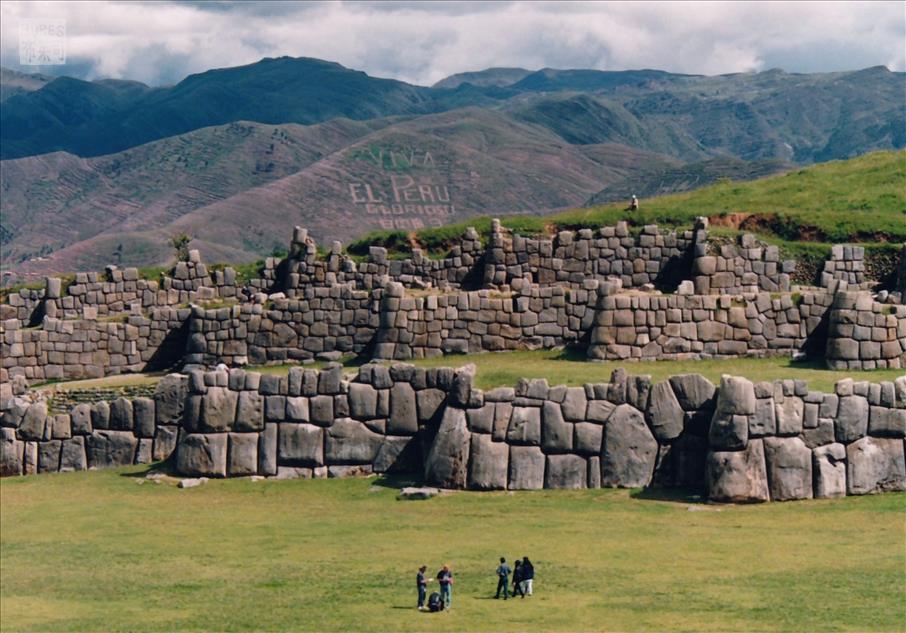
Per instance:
(162,42)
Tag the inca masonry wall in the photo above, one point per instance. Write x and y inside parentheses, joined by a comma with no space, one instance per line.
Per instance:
(739,441)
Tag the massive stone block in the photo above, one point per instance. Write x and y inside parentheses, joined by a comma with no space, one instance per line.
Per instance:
(628,451)
(488,462)
(107,449)
(267,450)
(165,437)
(430,403)
(242,455)
(789,416)
(526,468)
(49,456)
(169,398)
(587,438)
(447,461)
(403,413)
(575,404)
(143,410)
(32,425)
(829,468)
(350,442)
(851,422)
(362,401)
(72,455)
(556,434)
(121,415)
(789,464)
(875,465)
(80,419)
(566,471)
(249,412)
(300,445)
(399,454)
(202,454)
(693,391)
(12,453)
(218,409)
(738,476)
(525,426)
(665,413)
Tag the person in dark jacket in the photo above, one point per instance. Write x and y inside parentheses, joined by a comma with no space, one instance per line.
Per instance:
(422,584)
(445,580)
(528,574)
(503,575)
(517,579)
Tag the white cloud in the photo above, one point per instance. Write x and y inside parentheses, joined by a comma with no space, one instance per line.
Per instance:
(424,42)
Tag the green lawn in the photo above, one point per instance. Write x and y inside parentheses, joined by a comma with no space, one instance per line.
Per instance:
(95,551)
(561,367)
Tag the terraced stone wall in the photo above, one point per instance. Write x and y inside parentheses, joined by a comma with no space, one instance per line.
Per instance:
(865,334)
(739,441)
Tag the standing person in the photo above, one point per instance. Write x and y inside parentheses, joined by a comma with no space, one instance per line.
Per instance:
(445,580)
(422,583)
(633,204)
(528,574)
(503,574)
(518,579)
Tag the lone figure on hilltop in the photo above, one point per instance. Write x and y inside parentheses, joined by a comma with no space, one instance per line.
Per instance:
(633,204)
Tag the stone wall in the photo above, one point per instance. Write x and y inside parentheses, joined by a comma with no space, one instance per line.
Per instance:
(781,441)
(650,327)
(654,256)
(83,348)
(319,320)
(865,334)
(740,441)
(847,264)
(748,266)
(534,317)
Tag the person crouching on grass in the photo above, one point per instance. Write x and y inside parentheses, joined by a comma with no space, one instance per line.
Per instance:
(445,580)
(422,584)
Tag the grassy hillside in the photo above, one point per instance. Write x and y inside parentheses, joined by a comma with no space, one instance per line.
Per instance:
(96,551)
(858,200)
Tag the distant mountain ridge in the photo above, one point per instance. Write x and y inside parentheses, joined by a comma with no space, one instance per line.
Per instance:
(109,169)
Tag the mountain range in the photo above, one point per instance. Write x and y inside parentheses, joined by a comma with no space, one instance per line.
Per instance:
(107,170)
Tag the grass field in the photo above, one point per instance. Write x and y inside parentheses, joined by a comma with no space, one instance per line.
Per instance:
(563,367)
(95,551)
(858,200)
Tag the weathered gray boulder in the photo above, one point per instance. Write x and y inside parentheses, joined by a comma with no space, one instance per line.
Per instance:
(525,426)
(526,468)
(72,455)
(851,422)
(107,449)
(300,445)
(296,408)
(403,413)
(693,391)
(430,402)
(628,451)
(242,457)
(398,454)
(764,421)
(350,442)
(32,425)
(362,401)
(49,456)
(100,415)
(789,416)
(143,412)
(218,409)
(447,461)
(80,419)
(566,471)
(267,450)
(738,476)
(875,464)
(789,464)
(165,437)
(249,412)
(121,415)
(665,413)
(587,438)
(556,434)
(202,454)
(575,404)
(169,398)
(600,410)
(736,396)
(481,420)
(829,468)
(12,452)
(488,462)
(729,429)
(321,410)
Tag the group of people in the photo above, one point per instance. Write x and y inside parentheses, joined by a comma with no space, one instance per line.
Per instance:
(436,601)
(523,574)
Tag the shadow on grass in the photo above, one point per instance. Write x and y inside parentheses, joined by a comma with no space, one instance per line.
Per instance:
(166,467)
(676,495)
(398,481)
